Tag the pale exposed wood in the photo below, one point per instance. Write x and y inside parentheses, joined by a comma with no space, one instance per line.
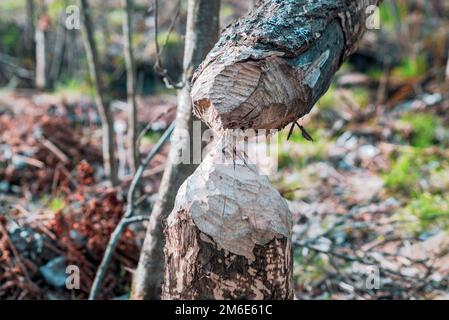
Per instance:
(228,236)
(270,67)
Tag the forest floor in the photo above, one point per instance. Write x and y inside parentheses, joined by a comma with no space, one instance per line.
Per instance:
(369,195)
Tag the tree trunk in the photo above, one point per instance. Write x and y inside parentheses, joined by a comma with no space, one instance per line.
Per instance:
(201,34)
(41,78)
(130,85)
(229,235)
(30,31)
(107,122)
(447,67)
(270,67)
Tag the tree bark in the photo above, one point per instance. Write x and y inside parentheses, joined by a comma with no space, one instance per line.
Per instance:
(229,236)
(107,122)
(41,78)
(252,4)
(201,34)
(30,31)
(130,85)
(447,67)
(270,67)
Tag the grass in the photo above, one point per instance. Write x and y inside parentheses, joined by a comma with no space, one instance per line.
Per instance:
(11,5)
(427,211)
(152,136)
(56,204)
(298,151)
(424,128)
(362,96)
(74,86)
(403,176)
(411,68)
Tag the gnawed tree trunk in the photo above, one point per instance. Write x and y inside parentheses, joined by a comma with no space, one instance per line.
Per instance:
(201,34)
(229,233)
(107,122)
(270,67)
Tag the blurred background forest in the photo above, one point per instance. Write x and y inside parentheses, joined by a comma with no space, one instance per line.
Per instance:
(370,195)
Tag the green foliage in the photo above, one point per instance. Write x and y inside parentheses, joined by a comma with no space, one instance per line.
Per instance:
(56,204)
(174,41)
(11,38)
(424,128)
(375,73)
(74,86)
(361,96)
(425,212)
(152,136)
(411,67)
(11,5)
(310,269)
(403,176)
(115,17)
(299,152)
(56,8)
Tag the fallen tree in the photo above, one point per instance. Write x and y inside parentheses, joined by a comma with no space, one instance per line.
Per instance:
(270,67)
(228,236)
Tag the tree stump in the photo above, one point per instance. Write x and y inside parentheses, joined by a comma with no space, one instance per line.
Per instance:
(229,235)
(271,66)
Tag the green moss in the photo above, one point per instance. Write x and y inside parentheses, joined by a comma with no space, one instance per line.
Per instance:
(74,86)
(115,17)
(174,41)
(11,37)
(299,152)
(426,212)
(285,160)
(411,67)
(152,136)
(361,96)
(403,176)
(375,73)
(424,128)
(310,269)
(56,204)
